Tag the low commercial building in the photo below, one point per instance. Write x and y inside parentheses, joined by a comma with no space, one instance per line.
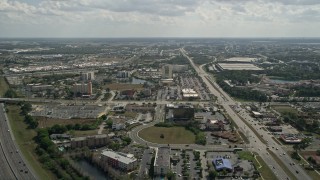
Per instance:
(118,160)
(290,139)
(38,87)
(118,124)
(89,141)
(189,93)
(221,164)
(256,114)
(162,161)
(237,66)
(215,125)
(140,108)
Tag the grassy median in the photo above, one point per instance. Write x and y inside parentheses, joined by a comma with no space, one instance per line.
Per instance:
(24,139)
(171,135)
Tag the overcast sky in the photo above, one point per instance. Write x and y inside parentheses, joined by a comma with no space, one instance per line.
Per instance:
(159,18)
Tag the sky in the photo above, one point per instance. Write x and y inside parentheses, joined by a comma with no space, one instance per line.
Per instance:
(159,18)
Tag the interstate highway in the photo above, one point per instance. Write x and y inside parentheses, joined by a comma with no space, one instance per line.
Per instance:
(13,167)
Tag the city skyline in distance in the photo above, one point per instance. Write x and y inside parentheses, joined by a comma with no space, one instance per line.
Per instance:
(159,18)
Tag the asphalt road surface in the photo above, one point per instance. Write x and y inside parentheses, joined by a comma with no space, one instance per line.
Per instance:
(12,164)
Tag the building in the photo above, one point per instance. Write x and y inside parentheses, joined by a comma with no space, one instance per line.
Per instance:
(162,161)
(38,87)
(89,76)
(141,108)
(215,125)
(180,113)
(167,72)
(256,114)
(83,89)
(179,68)
(122,74)
(189,93)
(118,124)
(118,160)
(290,139)
(221,164)
(237,66)
(89,141)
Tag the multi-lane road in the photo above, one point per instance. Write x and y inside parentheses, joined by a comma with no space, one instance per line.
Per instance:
(255,143)
(12,165)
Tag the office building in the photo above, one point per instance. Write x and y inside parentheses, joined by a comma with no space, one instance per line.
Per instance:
(162,161)
(118,160)
(167,72)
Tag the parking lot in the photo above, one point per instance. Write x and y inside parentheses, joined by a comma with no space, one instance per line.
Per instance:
(68,112)
(184,164)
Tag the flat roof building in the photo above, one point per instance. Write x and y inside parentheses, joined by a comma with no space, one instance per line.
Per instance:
(122,161)
(237,66)
(162,161)
(221,164)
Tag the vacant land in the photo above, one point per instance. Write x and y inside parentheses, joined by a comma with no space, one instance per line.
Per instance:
(24,138)
(171,135)
(284,109)
(49,122)
(3,86)
(119,87)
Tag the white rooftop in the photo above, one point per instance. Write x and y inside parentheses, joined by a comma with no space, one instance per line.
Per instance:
(122,157)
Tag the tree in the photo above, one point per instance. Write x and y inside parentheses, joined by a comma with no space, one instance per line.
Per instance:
(302,145)
(170,175)
(161,136)
(10,93)
(318,152)
(213,174)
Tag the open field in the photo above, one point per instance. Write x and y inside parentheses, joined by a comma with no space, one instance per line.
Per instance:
(172,135)
(286,170)
(48,122)
(265,171)
(284,109)
(3,86)
(24,139)
(119,87)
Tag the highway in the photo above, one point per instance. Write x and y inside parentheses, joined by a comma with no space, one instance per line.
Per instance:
(255,143)
(12,164)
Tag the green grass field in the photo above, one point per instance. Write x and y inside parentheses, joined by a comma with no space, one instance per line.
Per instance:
(284,109)
(24,138)
(3,86)
(172,135)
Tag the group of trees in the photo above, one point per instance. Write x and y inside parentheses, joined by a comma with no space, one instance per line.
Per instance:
(52,158)
(243,93)
(300,123)
(10,93)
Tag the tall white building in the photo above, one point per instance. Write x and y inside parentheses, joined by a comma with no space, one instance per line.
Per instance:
(167,71)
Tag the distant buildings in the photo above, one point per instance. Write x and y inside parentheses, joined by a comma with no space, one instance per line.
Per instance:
(162,161)
(118,160)
(89,141)
(122,74)
(38,87)
(83,88)
(140,108)
(89,76)
(167,72)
